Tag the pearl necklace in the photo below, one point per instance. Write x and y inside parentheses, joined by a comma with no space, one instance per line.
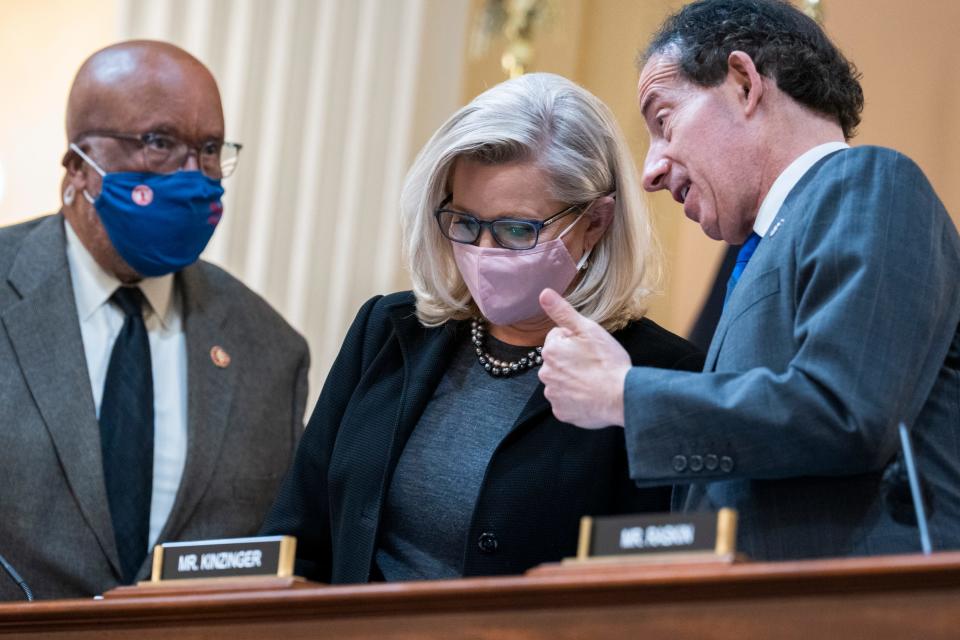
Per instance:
(500,368)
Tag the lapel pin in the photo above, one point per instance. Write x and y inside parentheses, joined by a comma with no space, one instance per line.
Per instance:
(776,227)
(219,356)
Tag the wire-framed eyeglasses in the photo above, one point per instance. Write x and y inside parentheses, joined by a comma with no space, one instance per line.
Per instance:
(509,233)
(165,153)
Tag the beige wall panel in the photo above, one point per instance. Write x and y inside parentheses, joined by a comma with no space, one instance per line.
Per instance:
(557,47)
(909,54)
(42,42)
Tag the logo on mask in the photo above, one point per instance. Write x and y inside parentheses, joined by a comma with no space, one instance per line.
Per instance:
(216,212)
(142,195)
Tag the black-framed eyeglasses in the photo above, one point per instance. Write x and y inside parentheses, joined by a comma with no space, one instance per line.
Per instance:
(509,233)
(165,153)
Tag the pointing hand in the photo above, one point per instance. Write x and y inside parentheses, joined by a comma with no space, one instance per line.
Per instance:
(583,369)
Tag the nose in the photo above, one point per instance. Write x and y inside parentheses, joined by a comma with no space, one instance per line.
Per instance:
(486,240)
(656,169)
(191,162)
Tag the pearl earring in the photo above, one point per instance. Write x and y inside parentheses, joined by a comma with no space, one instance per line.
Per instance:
(69,194)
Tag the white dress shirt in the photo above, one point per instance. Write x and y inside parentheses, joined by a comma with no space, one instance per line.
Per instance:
(100,324)
(787,180)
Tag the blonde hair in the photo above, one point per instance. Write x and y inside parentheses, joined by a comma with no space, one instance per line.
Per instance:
(573,138)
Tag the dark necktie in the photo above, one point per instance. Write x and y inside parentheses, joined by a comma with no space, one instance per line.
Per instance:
(126,433)
(746,252)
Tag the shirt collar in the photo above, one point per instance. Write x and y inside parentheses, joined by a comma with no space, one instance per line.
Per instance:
(787,180)
(93,286)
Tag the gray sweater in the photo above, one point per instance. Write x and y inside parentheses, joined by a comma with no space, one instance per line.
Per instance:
(432,494)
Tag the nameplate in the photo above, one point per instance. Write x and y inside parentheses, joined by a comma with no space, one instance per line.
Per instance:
(689,534)
(227,558)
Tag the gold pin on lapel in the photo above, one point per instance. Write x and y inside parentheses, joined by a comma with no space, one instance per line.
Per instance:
(219,356)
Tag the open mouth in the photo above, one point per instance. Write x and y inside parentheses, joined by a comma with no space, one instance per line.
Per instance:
(680,195)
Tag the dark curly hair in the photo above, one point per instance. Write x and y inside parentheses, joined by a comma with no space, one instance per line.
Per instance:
(785,45)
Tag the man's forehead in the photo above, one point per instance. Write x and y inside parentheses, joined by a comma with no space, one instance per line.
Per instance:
(144,105)
(144,86)
(660,75)
(109,69)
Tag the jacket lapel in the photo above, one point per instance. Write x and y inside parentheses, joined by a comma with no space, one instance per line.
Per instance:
(536,405)
(44,330)
(426,357)
(210,391)
(718,335)
(743,296)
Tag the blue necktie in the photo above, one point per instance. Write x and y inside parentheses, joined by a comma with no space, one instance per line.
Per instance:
(126,433)
(743,257)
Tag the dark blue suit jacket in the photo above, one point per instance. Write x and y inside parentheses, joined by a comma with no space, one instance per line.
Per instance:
(844,323)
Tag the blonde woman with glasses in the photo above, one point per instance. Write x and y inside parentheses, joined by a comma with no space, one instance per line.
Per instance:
(432,452)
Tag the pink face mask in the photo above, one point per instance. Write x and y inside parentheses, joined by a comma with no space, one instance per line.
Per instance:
(506,283)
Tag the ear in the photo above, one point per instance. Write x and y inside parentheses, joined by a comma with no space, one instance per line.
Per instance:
(76,170)
(600,216)
(743,74)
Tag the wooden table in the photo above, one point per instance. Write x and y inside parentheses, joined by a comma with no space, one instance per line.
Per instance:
(907,596)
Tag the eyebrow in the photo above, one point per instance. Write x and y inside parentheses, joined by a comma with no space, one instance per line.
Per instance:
(502,215)
(653,95)
(169,128)
(161,126)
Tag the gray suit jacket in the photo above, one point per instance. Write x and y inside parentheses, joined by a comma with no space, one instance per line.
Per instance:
(844,323)
(243,420)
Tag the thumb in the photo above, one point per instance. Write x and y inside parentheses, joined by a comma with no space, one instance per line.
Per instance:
(561,312)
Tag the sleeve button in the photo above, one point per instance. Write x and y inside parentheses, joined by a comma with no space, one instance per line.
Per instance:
(726,464)
(711,462)
(696,463)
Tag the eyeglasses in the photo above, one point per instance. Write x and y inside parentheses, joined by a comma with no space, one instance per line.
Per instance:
(509,233)
(164,153)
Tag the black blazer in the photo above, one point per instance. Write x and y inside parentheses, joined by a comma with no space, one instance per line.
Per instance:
(542,478)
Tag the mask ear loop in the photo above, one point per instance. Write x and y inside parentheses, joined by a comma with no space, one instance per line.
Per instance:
(77,150)
(586,254)
(582,263)
(574,223)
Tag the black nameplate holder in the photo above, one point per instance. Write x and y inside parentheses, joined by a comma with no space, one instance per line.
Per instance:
(687,537)
(229,558)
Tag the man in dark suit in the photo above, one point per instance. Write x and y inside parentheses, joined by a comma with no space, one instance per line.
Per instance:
(841,316)
(145,396)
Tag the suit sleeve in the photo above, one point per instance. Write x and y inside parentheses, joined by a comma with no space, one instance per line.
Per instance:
(875,311)
(653,497)
(302,505)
